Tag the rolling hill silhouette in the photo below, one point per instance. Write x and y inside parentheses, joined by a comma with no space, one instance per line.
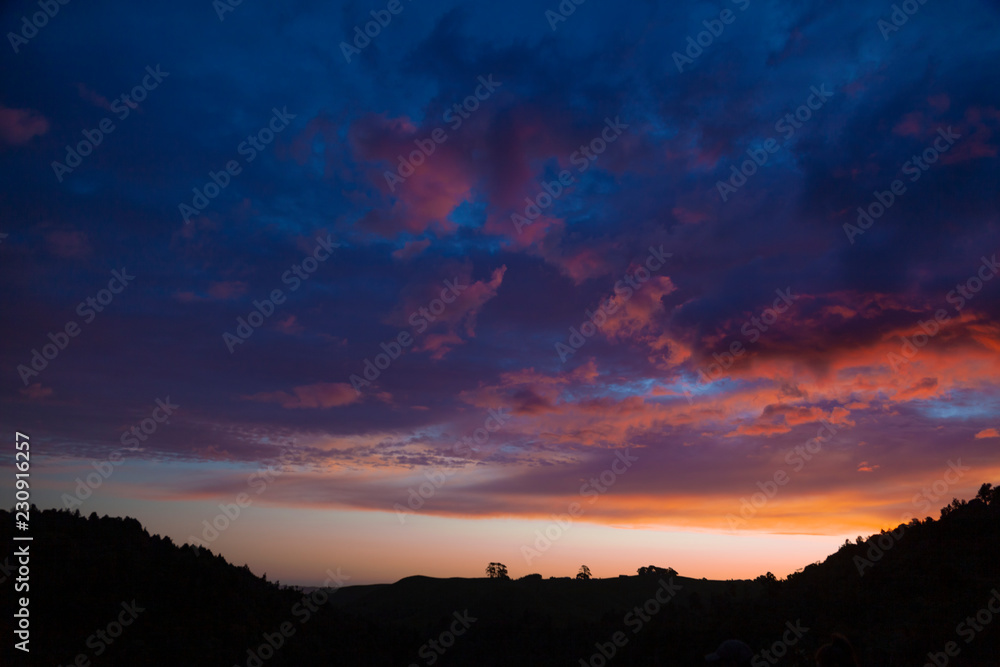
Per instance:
(898,596)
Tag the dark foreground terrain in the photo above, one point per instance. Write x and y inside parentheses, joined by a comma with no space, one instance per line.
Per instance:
(105,592)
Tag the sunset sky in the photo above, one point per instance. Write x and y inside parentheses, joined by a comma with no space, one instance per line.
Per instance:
(496,273)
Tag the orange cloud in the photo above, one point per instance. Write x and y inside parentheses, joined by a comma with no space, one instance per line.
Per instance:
(922,389)
(988,433)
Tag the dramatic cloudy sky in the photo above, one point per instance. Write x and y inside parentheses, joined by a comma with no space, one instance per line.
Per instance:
(666,121)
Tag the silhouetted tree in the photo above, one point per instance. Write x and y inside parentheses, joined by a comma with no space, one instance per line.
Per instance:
(984,492)
(584,572)
(769,582)
(110,560)
(497,571)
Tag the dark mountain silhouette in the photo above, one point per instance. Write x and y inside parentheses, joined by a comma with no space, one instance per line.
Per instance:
(897,596)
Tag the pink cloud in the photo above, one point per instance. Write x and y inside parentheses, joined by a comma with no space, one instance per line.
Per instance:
(37,391)
(457,321)
(779,418)
(939,103)
(636,318)
(582,264)
(227,290)
(501,160)
(68,243)
(217,291)
(429,191)
(912,124)
(471,304)
(319,395)
(977,140)
(542,231)
(19,126)
(689,216)
(96,99)
(290,325)
(187,297)
(440,344)
(411,249)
